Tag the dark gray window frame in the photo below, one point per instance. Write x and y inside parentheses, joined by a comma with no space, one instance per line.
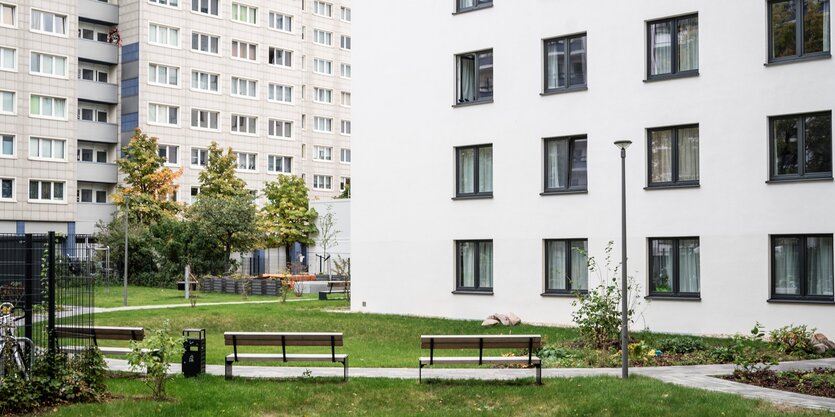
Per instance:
(480,4)
(569,281)
(459,102)
(675,278)
(568,189)
(477,289)
(804,282)
(801,137)
(674,73)
(799,44)
(568,88)
(476,180)
(674,183)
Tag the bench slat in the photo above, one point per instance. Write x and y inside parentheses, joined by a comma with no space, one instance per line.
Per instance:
(486,342)
(295,357)
(275,339)
(101,333)
(496,360)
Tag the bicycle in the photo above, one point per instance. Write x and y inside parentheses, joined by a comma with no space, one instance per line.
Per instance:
(14,350)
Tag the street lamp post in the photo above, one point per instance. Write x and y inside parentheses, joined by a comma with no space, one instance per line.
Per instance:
(125,274)
(624,329)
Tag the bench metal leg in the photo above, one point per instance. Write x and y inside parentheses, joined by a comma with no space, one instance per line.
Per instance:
(345,364)
(228,373)
(538,374)
(420,372)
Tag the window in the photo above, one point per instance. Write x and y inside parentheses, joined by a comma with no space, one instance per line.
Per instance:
(209,7)
(323,153)
(322,37)
(7,148)
(49,65)
(280,93)
(163,75)
(164,35)
(798,29)
(322,182)
(205,81)
(202,42)
(345,156)
(474,265)
(169,3)
(345,70)
(244,124)
(101,157)
(322,9)
(565,63)
(281,22)
(48,22)
(280,128)
(475,77)
(280,57)
(49,107)
(673,47)
(163,114)
(346,99)
(7,102)
(101,197)
(8,59)
(43,148)
(322,95)
(244,88)
(195,191)
(246,161)
(467,5)
(7,189)
(566,266)
(244,50)
(474,171)
(322,66)
(345,127)
(279,164)
(8,15)
(244,14)
(85,155)
(346,14)
(673,156)
(323,124)
(674,266)
(801,146)
(169,153)
(801,267)
(199,157)
(93,73)
(344,183)
(46,190)
(566,164)
(94,32)
(205,119)
(345,42)
(92,113)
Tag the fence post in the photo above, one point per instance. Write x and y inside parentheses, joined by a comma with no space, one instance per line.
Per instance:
(28,286)
(50,326)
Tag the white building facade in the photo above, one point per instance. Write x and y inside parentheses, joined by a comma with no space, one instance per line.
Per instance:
(507,170)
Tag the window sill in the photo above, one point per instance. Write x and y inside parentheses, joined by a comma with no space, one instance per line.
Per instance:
(472,292)
(472,9)
(675,76)
(565,192)
(473,197)
(472,103)
(564,91)
(673,298)
(800,301)
(798,179)
(670,186)
(794,60)
(562,294)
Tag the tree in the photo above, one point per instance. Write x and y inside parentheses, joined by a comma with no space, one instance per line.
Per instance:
(148,182)
(218,176)
(287,218)
(346,193)
(327,235)
(221,225)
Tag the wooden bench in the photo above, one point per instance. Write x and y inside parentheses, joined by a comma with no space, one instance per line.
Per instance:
(284,340)
(482,342)
(334,287)
(97,333)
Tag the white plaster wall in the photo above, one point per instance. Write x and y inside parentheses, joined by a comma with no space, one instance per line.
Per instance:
(341,210)
(404,222)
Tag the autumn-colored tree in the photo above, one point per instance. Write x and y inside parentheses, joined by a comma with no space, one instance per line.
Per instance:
(218,177)
(148,182)
(287,218)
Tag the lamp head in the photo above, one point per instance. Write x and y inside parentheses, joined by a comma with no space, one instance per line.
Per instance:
(623,144)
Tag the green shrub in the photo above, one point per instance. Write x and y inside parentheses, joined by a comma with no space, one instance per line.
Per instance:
(154,354)
(749,357)
(681,345)
(721,354)
(792,339)
(552,353)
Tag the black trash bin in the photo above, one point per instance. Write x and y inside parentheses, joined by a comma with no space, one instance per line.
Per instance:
(194,355)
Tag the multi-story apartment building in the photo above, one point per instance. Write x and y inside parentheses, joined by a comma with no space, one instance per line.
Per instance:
(268,78)
(492,206)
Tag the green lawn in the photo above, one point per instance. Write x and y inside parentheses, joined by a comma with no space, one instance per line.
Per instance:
(112,296)
(212,396)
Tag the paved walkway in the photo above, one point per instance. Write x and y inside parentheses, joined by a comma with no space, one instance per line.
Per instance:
(698,376)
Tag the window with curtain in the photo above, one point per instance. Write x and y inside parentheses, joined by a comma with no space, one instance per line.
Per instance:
(801,267)
(673,156)
(565,164)
(565,63)
(798,29)
(474,171)
(801,146)
(474,265)
(466,5)
(673,47)
(674,267)
(566,266)
(475,77)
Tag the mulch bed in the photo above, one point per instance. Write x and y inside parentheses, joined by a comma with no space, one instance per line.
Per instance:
(819,381)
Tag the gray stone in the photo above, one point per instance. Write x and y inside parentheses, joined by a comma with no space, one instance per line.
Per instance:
(502,319)
(489,322)
(514,319)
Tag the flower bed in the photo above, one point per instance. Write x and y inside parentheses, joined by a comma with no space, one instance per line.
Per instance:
(818,381)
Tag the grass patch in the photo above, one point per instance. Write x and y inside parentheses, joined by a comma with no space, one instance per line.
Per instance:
(111,296)
(602,396)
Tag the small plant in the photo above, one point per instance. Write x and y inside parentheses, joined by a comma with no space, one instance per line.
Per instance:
(750,358)
(307,373)
(155,353)
(792,339)
(721,354)
(681,345)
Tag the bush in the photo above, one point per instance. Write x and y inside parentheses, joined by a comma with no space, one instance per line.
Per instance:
(681,345)
(792,339)
(155,354)
(721,354)
(750,358)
